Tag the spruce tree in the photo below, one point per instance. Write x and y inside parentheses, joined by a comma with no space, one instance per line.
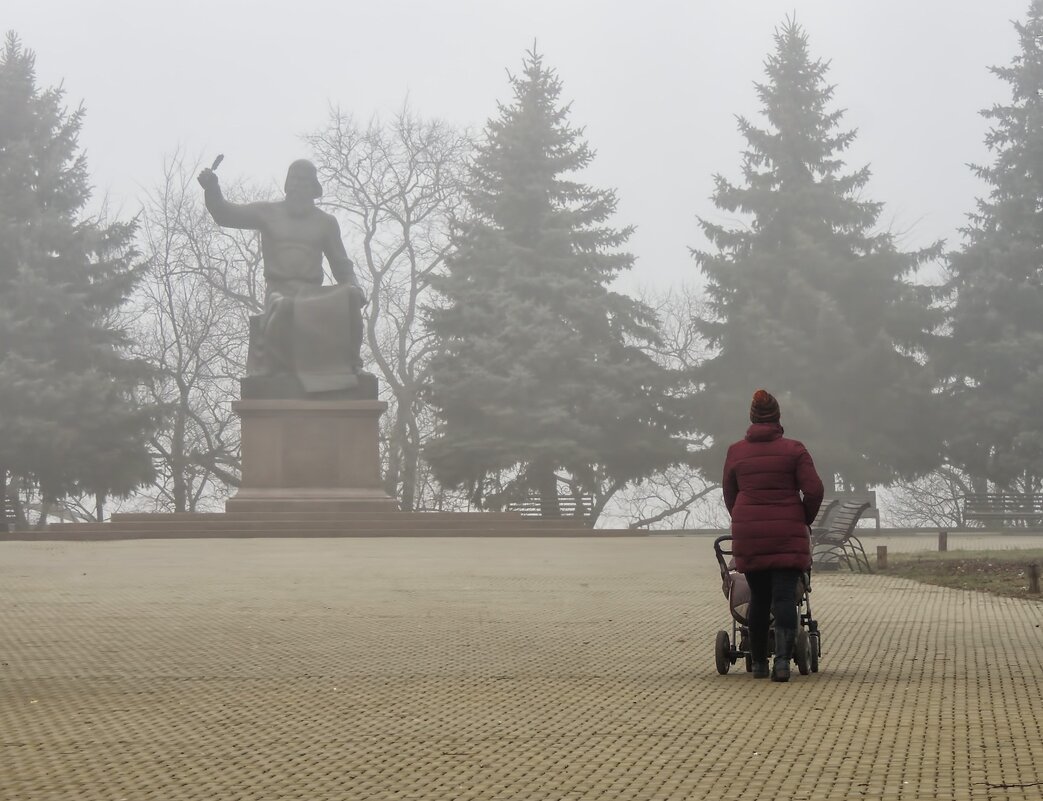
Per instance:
(68,420)
(540,368)
(807,299)
(993,359)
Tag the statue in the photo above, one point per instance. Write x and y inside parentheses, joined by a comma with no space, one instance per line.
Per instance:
(309,337)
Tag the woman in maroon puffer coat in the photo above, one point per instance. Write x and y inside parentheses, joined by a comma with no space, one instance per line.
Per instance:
(772,492)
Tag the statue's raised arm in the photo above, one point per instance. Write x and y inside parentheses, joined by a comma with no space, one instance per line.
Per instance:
(225,214)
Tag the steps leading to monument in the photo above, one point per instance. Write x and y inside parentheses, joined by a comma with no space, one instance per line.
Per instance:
(374,524)
(307,525)
(236,522)
(125,517)
(102,534)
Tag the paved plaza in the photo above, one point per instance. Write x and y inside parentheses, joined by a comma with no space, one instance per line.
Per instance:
(491,669)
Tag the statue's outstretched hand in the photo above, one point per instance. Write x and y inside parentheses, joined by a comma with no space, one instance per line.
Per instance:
(208,179)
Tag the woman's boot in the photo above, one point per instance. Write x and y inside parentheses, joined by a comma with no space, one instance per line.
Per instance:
(759,657)
(783,653)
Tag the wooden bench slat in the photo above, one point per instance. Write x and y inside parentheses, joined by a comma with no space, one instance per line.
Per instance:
(568,506)
(845,497)
(1003,506)
(839,539)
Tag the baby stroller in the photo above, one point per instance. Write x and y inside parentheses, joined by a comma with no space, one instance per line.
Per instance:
(808,644)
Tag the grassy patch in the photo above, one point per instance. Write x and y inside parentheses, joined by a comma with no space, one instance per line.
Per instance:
(1001,572)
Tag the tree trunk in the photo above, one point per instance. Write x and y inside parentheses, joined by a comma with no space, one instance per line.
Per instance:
(45,509)
(410,465)
(396,455)
(99,507)
(178,461)
(547,484)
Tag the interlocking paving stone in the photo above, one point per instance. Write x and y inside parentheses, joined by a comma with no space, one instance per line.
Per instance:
(490,669)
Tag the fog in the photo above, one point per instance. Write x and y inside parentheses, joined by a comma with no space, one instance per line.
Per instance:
(657,85)
(658,91)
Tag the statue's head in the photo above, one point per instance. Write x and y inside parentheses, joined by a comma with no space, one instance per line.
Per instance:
(302,180)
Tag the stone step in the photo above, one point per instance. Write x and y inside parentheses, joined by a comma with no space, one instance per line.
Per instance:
(103,532)
(305,515)
(397,521)
(306,526)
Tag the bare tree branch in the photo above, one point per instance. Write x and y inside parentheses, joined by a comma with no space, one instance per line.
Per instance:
(191,323)
(395,186)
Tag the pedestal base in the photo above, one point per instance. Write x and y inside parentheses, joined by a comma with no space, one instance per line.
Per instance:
(310,456)
(286,387)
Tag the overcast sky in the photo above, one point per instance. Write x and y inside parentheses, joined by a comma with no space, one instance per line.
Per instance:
(657,84)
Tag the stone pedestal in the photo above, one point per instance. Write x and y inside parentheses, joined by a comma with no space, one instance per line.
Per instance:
(310,456)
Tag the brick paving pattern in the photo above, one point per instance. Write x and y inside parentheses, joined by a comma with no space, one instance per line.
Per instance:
(491,669)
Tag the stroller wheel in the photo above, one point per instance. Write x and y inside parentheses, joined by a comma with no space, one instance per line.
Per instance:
(722,652)
(816,649)
(802,652)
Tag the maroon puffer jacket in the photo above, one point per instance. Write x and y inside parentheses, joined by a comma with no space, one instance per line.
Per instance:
(764,475)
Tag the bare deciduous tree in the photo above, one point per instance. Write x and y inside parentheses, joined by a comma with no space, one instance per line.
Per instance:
(678,497)
(932,501)
(395,187)
(191,323)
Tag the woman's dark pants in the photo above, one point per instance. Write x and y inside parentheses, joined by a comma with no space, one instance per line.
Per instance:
(772,592)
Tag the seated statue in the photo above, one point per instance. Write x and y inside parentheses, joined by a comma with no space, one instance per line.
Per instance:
(309,337)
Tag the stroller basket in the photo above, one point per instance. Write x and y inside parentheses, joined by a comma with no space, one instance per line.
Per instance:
(733,583)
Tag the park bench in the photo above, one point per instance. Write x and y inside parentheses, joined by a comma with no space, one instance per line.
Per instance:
(819,526)
(8,518)
(825,511)
(1004,507)
(579,507)
(836,543)
(857,496)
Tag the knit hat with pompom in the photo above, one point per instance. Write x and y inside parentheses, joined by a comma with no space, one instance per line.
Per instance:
(764,409)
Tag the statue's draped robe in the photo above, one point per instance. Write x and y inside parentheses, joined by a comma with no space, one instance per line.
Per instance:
(305,330)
